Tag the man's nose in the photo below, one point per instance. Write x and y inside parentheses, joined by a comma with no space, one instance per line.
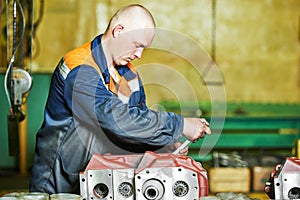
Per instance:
(138,53)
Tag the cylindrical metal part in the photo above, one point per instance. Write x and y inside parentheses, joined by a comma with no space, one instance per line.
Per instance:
(125,189)
(180,188)
(153,189)
(101,190)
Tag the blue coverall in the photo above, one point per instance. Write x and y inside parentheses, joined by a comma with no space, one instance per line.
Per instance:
(84,116)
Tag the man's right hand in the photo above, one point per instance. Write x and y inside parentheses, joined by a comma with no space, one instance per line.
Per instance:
(195,128)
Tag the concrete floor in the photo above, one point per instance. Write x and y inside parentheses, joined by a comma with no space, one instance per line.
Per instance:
(11,181)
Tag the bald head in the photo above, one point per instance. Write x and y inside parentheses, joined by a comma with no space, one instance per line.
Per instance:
(132,17)
(129,32)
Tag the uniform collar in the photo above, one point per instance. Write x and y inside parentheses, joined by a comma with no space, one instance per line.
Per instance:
(99,57)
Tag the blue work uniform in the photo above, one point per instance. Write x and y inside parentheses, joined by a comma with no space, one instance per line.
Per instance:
(88,112)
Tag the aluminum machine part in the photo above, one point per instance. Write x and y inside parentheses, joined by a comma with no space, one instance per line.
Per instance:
(151,160)
(148,176)
(109,177)
(100,184)
(284,182)
(123,184)
(107,184)
(176,183)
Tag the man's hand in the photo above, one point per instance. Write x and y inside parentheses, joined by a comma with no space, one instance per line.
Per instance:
(183,151)
(195,128)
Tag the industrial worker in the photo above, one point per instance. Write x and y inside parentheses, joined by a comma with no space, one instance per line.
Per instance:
(97,104)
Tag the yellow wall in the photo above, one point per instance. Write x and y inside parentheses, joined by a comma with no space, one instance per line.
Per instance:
(256,45)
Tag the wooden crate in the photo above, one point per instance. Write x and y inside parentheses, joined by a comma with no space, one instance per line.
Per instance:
(229,180)
(260,176)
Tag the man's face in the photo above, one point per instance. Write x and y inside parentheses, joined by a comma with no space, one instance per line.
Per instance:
(129,45)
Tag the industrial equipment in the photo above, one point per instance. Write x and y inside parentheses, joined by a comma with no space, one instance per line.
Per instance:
(148,176)
(17,80)
(284,181)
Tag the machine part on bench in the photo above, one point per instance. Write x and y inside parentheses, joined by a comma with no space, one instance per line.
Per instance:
(83,185)
(101,190)
(153,189)
(100,184)
(180,188)
(151,160)
(284,181)
(148,176)
(294,193)
(123,181)
(125,189)
(171,183)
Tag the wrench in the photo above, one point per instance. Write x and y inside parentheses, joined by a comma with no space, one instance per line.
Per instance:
(182,146)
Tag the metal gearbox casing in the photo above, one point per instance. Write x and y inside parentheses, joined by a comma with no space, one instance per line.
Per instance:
(109,177)
(107,184)
(100,189)
(146,176)
(284,182)
(290,186)
(166,183)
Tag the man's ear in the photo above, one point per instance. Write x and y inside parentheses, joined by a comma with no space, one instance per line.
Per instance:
(117,30)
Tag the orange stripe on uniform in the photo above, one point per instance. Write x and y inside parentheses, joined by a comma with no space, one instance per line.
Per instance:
(79,56)
(131,67)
